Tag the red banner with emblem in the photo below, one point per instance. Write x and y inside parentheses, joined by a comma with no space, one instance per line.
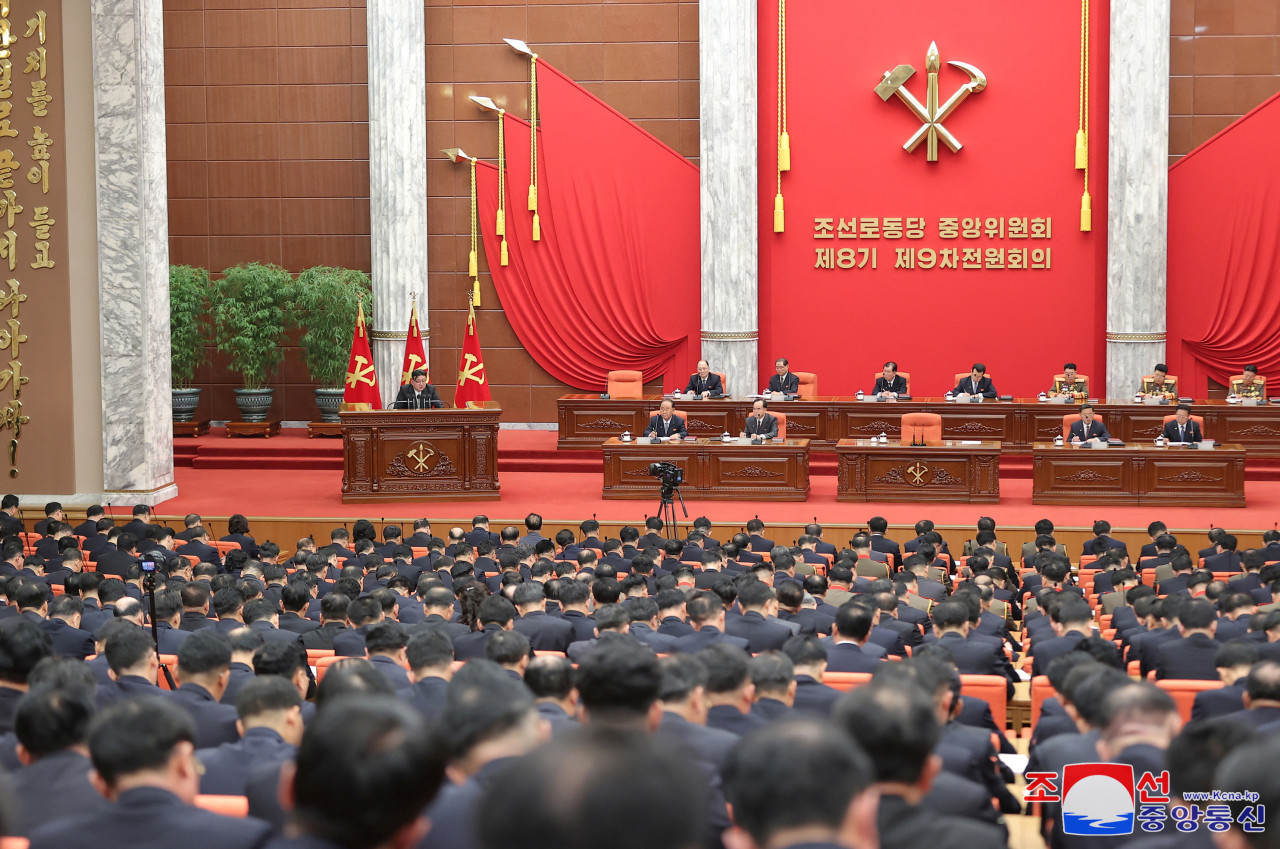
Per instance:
(362,380)
(473,384)
(415,355)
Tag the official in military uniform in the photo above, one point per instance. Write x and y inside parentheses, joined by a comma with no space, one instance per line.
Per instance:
(890,384)
(1250,386)
(1159,385)
(1070,384)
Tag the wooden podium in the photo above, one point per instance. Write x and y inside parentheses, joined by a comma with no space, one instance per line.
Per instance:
(408,455)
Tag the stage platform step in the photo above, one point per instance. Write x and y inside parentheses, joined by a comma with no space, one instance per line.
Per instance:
(518,451)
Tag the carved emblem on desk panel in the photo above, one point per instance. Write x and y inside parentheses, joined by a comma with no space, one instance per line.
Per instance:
(944,477)
(800,427)
(975,427)
(1190,476)
(752,472)
(877,427)
(894,475)
(1088,476)
(1256,430)
(604,424)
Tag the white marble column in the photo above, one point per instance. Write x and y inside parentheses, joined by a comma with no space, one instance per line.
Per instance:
(730,203)
(397,180)
(133,250)
(1137,192)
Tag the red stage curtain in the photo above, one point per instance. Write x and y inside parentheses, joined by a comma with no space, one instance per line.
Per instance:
(614,281)
(1224,254)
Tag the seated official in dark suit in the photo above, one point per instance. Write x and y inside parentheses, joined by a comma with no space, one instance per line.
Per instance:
(417,394)
(1182,428)
(760,423)
(1088,427)
(665,424)
(977,383)
(270,709)
(1193,657)
(143,753)
(784,381)
(704,383)
(1069,384)
(890,384)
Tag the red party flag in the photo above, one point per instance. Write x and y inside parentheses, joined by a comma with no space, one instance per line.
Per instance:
(473,385)
(415,355)
(362,378)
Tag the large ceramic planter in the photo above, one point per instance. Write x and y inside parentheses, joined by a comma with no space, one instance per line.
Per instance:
(328,402)
(185,402)
(254,404)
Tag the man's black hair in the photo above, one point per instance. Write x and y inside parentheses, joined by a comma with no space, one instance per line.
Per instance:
(549,677)
(137,734)
(266,694)
(895,723)
(206,650)
(430,650)
(619,677)
(23,644)
(386,636)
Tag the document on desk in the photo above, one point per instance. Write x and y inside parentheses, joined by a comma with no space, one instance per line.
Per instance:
(971,442)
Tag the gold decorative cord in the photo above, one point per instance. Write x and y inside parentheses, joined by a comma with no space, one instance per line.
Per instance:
(784,138)
(500,227)
(1082,133)
(533,146)
(473,259)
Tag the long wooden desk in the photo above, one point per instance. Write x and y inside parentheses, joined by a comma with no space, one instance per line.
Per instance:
(406,455)
(946,470)
(774,471)
(585,421)
(1138,474)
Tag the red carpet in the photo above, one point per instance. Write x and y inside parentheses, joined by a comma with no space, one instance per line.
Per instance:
(572,496)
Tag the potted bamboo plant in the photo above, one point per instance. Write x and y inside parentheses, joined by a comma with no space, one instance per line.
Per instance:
(249,328)
(325,301)
(188,330)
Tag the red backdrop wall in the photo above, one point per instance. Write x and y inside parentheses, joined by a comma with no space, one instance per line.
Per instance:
(1017,161)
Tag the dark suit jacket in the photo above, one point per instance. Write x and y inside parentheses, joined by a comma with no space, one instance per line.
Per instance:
(704,637)
(897,385)
(787,384)
(1210,704)
(151,818)
(473,644)
(761,634)
(1227,561)
(247,544)
(290,621)
(1096,430)
(68,641)
(1099,544)
(409,399)
(394,672)
(655,640)
(350,643)
(227,767)
(979,655)
(984,388)
(322,637)
(434,622)
(904,826)
(766,427)
(770,710)
(272,634)
(1191,434)
(657,425)
(849,657)
(545,633)
(1046,651)
(115,563)
(702,742)
(241,674)
(712,384)
(215,722)
(815,697)
(1188,658)
(584,627)
(729,718)
(52,789)
(200,551)
(426,696)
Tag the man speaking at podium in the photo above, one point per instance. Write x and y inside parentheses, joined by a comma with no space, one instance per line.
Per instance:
(417,394)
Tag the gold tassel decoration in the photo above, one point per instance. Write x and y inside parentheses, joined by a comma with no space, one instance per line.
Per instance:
(1086,213)
(784,137)
(500,226)
(473,258)
(537,228)
(533,138)
(475,293)
(1082,135)
(505,258)
(1082,149)
(779,219)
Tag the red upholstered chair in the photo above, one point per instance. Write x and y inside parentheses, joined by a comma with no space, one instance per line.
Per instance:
(782,424)
(1071,418)
(1184,692)
(625,384)
(1197,419)
(228,806)
(724,382)
(922,425)
(808,383)
(681,413)
(991,689)
(224,547)
(902,374)
(845,681)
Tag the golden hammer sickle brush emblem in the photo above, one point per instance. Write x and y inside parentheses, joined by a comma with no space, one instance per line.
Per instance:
(931,113)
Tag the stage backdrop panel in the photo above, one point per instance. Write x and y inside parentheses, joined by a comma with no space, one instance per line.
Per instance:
(978,256)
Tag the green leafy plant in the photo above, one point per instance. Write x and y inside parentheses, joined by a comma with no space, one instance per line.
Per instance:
(188,322)
(325,302)
(249,319)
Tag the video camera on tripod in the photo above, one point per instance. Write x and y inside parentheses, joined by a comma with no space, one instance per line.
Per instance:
(669,476)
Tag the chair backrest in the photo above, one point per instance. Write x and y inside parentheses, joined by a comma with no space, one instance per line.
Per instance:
(228,806)
(14,843)
(315,654)
(681,413)
(224,547)
(1071,418)
(921,425)
(782,424)
(1184,692)
(171,661)
(808,382)
(624,384)
(724,381)
(1040,690)
(902,374)
(845,681)
(323,664)
(991,689)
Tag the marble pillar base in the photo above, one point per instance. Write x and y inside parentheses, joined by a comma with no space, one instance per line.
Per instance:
(1127,363)
(80,500)
(737,361)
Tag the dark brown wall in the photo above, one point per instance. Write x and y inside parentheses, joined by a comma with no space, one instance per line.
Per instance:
(1224,61)
(268,144)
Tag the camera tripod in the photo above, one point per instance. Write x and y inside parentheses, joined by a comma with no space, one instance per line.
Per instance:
(667,510)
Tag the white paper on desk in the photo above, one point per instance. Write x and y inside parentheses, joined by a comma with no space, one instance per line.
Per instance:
(971,442)
(1017,763)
